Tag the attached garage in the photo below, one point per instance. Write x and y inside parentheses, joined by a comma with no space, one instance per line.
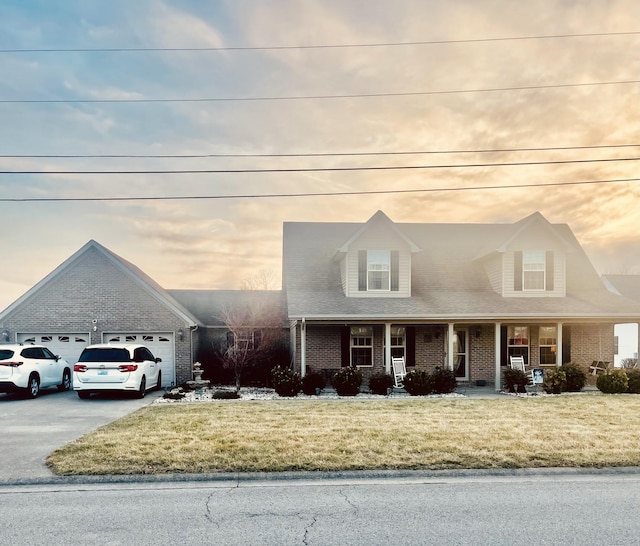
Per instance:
(68,346)
(160,344)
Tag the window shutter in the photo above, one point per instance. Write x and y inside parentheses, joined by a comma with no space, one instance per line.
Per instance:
(550,270)
(345,342)
(362,270)
(566,344)
(395,270)
(517,270)
(410,356)
(504,360)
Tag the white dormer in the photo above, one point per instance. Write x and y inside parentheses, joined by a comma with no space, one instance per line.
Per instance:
(376,261)
(531,262)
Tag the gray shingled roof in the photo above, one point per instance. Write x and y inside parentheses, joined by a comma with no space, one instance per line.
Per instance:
(448,281)
(208,305)
(626,285)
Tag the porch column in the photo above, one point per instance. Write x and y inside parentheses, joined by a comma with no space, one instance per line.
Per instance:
(498,347)
(638,346)
(559,346)
(450,334)
(387,347)
(303,348)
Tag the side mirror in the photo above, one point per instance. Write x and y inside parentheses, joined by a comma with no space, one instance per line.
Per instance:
(57,358)
(158,360)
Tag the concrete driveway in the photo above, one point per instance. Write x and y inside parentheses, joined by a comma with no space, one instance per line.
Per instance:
(31,429)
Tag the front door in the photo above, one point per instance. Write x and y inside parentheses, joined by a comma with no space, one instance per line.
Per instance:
(460,353)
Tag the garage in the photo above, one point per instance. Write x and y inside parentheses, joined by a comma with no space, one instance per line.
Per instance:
(160,344)
(68,346)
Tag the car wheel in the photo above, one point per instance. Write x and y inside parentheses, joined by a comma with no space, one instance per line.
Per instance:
(83,394)
(33,387)
(159,383)
(66,381)
(143,387)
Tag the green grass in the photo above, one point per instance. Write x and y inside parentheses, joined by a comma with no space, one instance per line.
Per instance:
(415,433)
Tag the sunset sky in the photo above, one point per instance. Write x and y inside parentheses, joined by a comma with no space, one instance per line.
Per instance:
(284,80)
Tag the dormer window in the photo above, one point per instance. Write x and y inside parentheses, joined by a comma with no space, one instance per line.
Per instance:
(378,271)
(533,270)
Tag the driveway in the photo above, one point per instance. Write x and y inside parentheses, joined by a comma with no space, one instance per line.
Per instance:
(32,429)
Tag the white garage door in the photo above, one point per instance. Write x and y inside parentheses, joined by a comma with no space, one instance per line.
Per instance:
(161,345)
(68,346)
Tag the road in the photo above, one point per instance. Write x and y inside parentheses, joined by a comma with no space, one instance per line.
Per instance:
(548,507)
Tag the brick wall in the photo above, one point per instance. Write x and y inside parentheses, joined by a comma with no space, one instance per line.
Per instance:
(92,287)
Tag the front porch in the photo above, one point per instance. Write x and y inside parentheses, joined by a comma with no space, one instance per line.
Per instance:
(474,351)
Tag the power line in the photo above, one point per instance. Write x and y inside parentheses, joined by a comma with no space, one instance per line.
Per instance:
(309,194)
(329,169)
(316,46)
(310,154)
(313,97)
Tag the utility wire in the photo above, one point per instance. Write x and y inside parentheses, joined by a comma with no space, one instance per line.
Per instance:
(310,154)
(330,169)
(317,46)
(314,97)
(309,194)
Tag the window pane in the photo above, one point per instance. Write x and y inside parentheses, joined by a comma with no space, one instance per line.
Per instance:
(378,270)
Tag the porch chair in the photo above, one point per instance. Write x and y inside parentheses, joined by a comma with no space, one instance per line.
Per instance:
(536,376)
(399,370)
(517,363)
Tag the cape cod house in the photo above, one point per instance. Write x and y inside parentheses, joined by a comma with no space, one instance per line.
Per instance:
(462,296)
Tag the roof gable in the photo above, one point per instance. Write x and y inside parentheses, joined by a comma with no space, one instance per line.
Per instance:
(127,268)
(379,219)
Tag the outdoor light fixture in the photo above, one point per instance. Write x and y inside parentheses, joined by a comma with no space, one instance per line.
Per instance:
(95,324)
(478,331)
(181,335)
(4,335)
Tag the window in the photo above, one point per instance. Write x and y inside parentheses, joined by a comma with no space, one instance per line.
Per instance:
(548,340)
(533,270)
(518,342)
(398,342)
(460,352)
(378,270)
(362,346)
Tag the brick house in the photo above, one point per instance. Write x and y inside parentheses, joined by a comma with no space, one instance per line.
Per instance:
(460,296)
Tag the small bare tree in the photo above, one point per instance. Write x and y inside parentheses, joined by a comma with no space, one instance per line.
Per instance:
(255,329)
(628,362)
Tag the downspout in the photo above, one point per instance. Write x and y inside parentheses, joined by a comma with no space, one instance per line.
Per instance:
(303,348)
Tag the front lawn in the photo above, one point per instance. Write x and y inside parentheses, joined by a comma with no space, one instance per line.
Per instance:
(413,433)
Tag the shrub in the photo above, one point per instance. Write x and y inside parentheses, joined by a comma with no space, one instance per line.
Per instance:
(633,377)
(576,377)
(311,382)
(380,383)
(347,381)
(555,381)
(444,381)
(418,383)
(174,394)
(285,381)
(513,378)
(225,395)
(613,382)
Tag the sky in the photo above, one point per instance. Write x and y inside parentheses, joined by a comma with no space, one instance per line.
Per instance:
(463,77)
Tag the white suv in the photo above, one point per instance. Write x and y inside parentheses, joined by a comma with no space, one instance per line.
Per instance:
(28,368)
(116,367)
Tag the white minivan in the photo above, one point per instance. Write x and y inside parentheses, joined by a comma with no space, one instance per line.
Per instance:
(116,367)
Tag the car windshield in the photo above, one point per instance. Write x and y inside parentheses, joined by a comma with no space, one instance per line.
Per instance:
(105,355)
(5,354)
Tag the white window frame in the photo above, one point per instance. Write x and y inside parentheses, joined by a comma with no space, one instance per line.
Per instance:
(379,264)
(548,341)
(515,340)
(361,339)
(398,342)
(534,264)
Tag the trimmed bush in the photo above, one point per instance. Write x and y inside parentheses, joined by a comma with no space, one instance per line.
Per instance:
(515,378)
(311,382)
(347,381)
(576,377)
(633,377)
(555,381)
(613,382)
(285,381)
(225,395)
(444,381)
(380,383)
(418,383)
